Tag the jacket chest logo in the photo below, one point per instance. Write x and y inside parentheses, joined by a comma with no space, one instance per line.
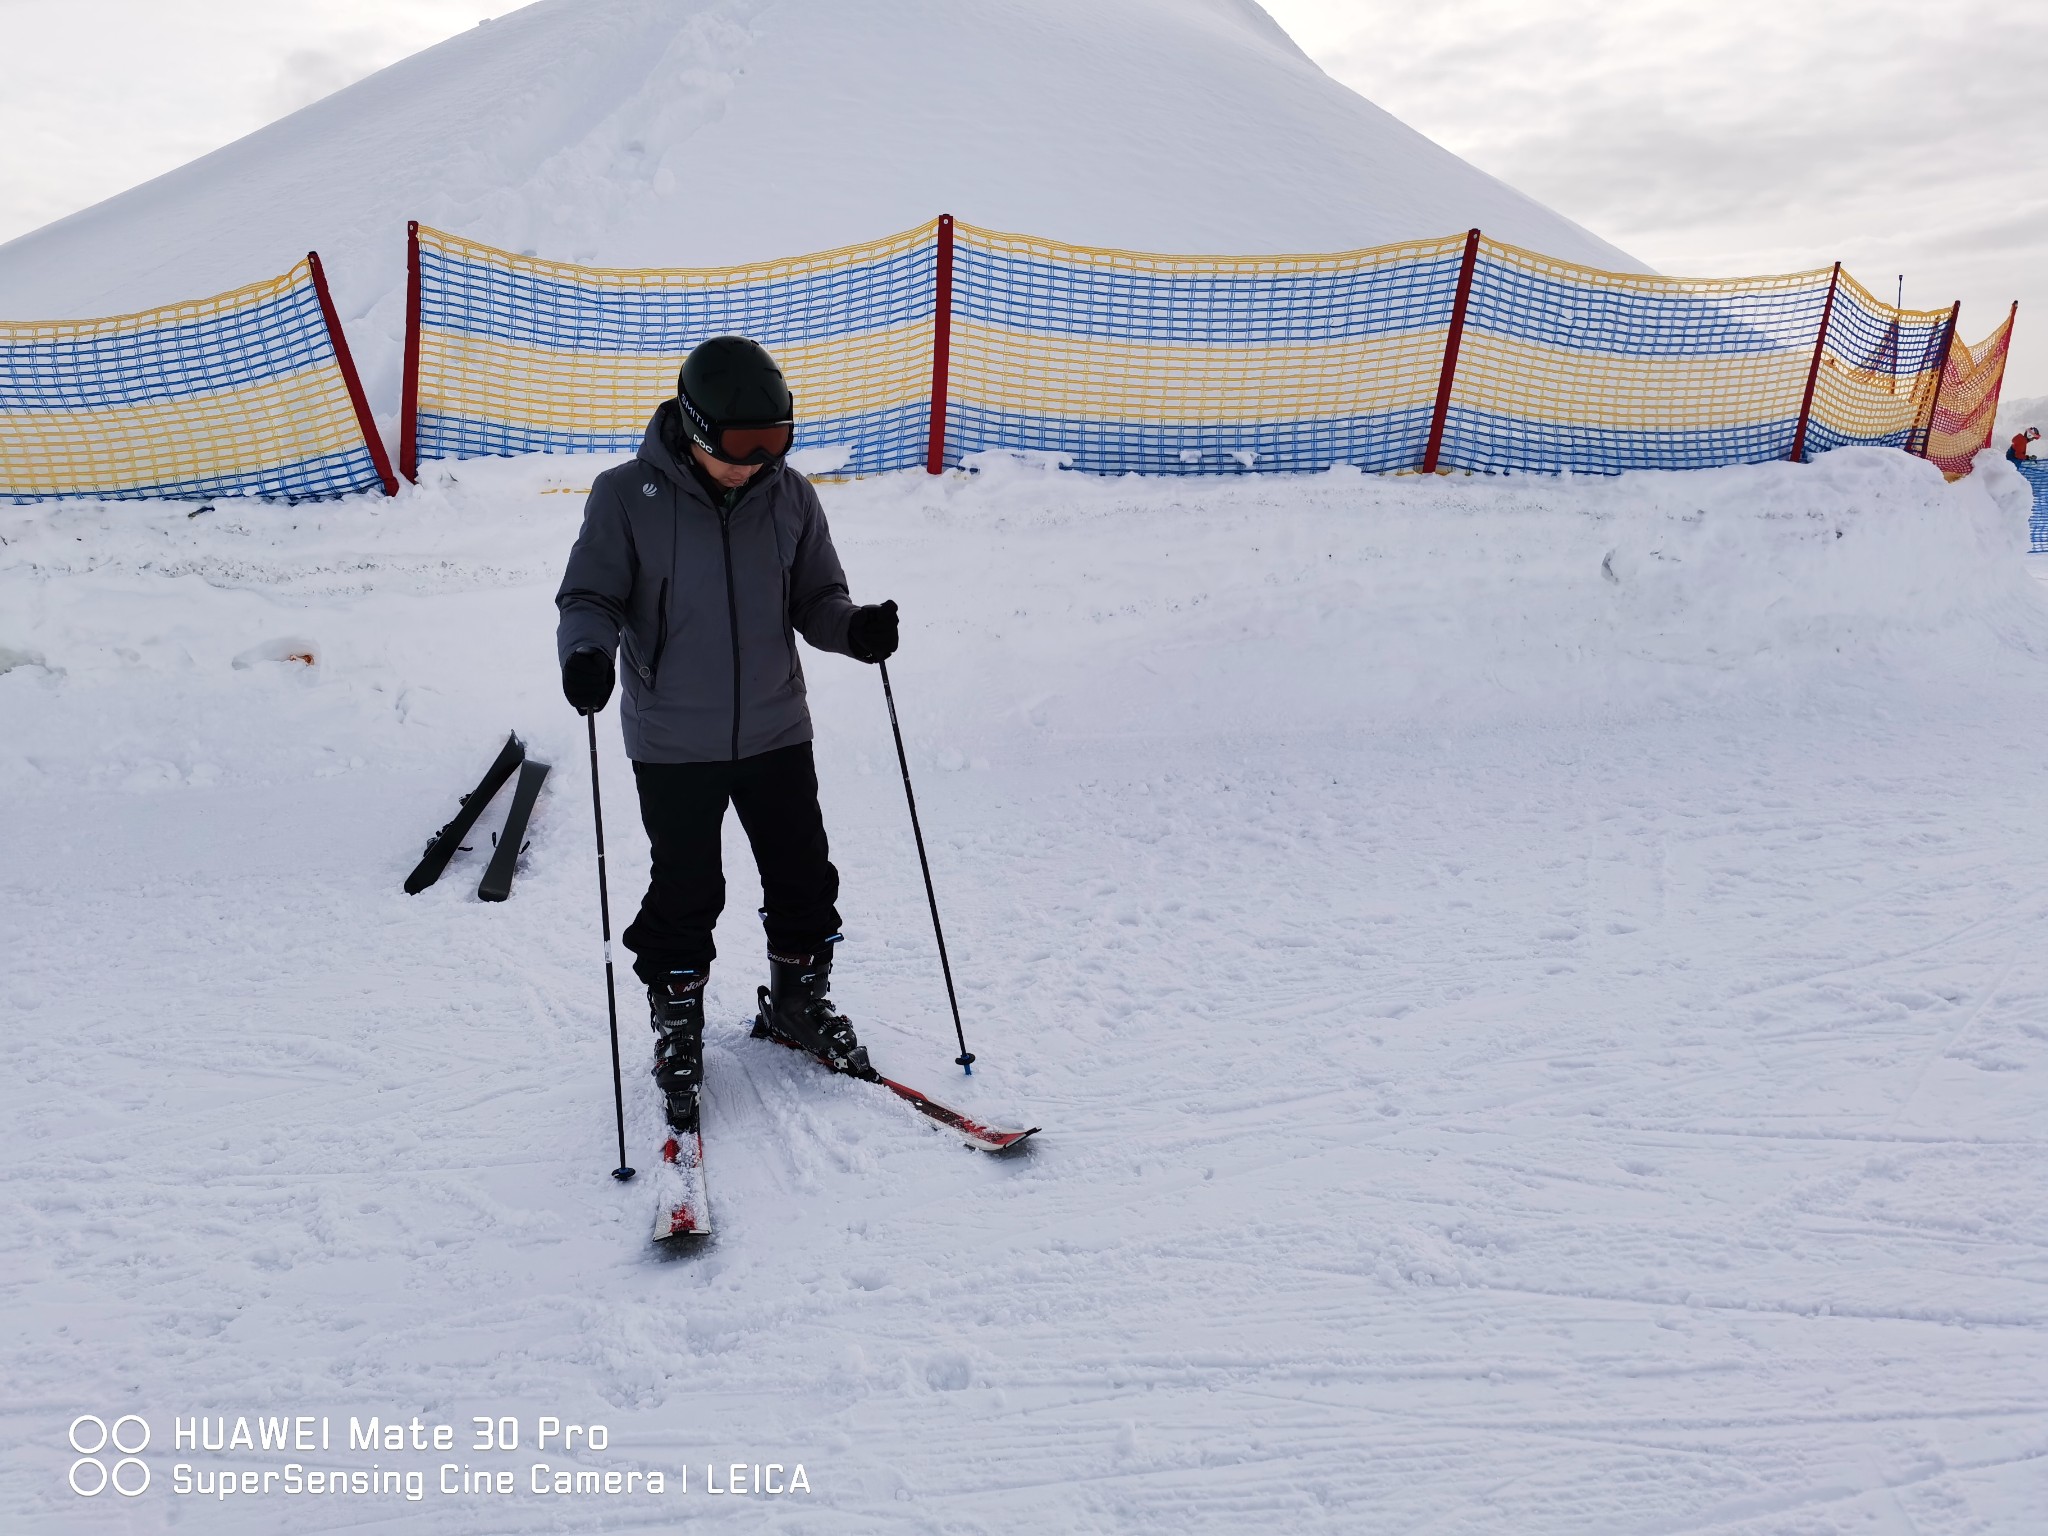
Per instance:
(647,489)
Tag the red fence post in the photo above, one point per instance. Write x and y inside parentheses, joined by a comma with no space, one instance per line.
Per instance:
(942,347)
(1925,431)
(1452,338)
(364,422)
(1820,341)
(409,411)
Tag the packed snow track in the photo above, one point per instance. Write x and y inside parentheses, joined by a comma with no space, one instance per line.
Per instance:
(1536,992)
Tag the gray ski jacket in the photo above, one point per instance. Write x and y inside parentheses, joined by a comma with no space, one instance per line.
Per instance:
(700,604)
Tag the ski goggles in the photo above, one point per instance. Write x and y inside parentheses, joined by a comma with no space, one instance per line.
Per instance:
(748,442)
(761,443)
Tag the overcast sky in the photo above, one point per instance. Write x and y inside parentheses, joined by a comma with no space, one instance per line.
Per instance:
(1708,137)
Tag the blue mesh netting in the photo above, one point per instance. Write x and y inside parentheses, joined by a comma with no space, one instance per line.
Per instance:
(2036,471)
(242,394)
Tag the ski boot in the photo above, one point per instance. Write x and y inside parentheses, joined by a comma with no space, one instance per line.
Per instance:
(796,1010)
(677,1014)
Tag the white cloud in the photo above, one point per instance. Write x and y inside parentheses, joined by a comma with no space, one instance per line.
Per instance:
(1713,137)
(124,90)
(304,75)
(1738,136)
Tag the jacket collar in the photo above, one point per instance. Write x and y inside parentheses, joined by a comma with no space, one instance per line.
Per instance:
(665,427)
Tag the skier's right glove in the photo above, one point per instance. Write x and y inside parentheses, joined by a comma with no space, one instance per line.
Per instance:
(871,632)
(587,679)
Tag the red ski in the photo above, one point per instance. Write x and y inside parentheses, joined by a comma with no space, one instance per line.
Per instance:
(989,1138)
(683,1209)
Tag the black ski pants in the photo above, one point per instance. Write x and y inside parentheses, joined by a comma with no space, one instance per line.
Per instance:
(682,806)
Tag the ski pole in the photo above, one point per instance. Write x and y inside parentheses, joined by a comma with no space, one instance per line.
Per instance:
(611,994)
(965,1059)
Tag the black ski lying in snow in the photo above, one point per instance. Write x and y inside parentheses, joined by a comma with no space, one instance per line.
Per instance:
(496,884)
(989,1138)
(442,845)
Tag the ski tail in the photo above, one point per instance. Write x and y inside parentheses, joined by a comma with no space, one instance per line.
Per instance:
(682,1208)
(496,884)
(442,845)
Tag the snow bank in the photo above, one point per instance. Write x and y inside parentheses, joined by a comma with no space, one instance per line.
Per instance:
(1043,603)
(1495,961)
(1349,600)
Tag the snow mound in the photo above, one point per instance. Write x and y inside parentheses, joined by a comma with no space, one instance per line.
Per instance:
(577,129)
(1126,608)
(1341,600)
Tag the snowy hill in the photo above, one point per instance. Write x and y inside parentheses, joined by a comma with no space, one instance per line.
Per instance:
(652,132)
(2017,415)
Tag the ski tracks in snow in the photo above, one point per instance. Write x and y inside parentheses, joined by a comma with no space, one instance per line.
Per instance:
(1632,1126)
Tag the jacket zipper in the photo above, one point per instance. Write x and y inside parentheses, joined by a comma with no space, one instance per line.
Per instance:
(732,609)
(788,629)
(660,635)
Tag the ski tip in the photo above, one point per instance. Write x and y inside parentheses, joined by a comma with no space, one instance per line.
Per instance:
(1002,1141)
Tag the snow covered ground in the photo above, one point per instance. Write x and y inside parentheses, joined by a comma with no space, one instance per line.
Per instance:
(1535,990)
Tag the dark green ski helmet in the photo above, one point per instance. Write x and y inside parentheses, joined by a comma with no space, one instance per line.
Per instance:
(735,402)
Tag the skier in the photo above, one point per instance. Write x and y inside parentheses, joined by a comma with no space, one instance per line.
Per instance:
(2017,453)
(697,560)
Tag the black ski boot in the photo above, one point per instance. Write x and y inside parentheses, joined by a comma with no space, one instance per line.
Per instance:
(677,1006)
(796,1010)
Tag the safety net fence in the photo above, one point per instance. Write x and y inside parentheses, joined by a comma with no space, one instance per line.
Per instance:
(949,341)
(1963,418)
(508,354)
(1116,361)
(249,393)
(2036,472)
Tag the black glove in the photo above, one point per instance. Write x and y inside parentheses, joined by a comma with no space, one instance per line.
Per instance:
(871,633)
(587,679)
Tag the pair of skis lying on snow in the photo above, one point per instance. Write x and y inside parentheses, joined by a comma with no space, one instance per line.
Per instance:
(496,884)
(682,1209)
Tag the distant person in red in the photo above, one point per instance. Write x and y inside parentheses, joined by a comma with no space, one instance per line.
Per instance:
(2018,451)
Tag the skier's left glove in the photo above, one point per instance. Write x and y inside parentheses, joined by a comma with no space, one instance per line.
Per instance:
(587,678)
(871,633)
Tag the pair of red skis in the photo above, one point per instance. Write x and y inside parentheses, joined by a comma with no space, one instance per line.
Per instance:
(683,1210)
